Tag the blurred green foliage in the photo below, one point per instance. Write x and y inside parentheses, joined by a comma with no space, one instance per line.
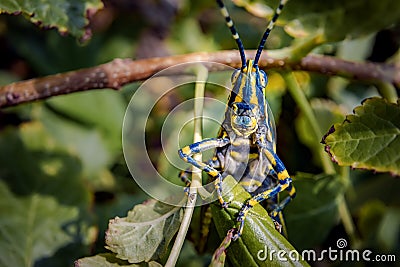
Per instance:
(66,16)
(62,171)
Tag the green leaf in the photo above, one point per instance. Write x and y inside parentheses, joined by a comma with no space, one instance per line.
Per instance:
(84,109)
(33,162)
(312,214)
(145,233)
(259,236)
(33,227)
(368,139)
(66,16)
(109,260)
(85,141)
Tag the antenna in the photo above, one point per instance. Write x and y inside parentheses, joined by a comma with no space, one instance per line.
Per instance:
(235,34)
(268,30)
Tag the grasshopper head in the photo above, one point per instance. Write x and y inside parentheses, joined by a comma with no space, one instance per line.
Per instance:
(244,118)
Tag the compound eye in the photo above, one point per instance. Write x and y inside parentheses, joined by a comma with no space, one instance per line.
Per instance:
(263,79)
(235,76)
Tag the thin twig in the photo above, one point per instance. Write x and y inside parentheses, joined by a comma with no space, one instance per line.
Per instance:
(202,75)
(114,74)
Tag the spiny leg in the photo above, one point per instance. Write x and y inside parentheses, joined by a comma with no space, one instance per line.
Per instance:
(186,174)
(275,207)
(206,144)
(277,219)
(279,208)
(285,183)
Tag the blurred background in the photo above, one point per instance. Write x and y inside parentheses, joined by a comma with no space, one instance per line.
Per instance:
(62,170)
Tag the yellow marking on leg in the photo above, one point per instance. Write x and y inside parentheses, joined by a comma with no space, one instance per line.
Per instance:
(273,213)
(186,150)
(266,193)
(213,173)
(220,199)
(283,175)
(245,213)
(292,191)
(270,157)
(252,202)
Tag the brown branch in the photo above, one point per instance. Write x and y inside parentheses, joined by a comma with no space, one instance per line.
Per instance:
(122,71)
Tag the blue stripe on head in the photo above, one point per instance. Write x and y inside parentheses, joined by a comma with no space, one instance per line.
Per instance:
(243,106)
